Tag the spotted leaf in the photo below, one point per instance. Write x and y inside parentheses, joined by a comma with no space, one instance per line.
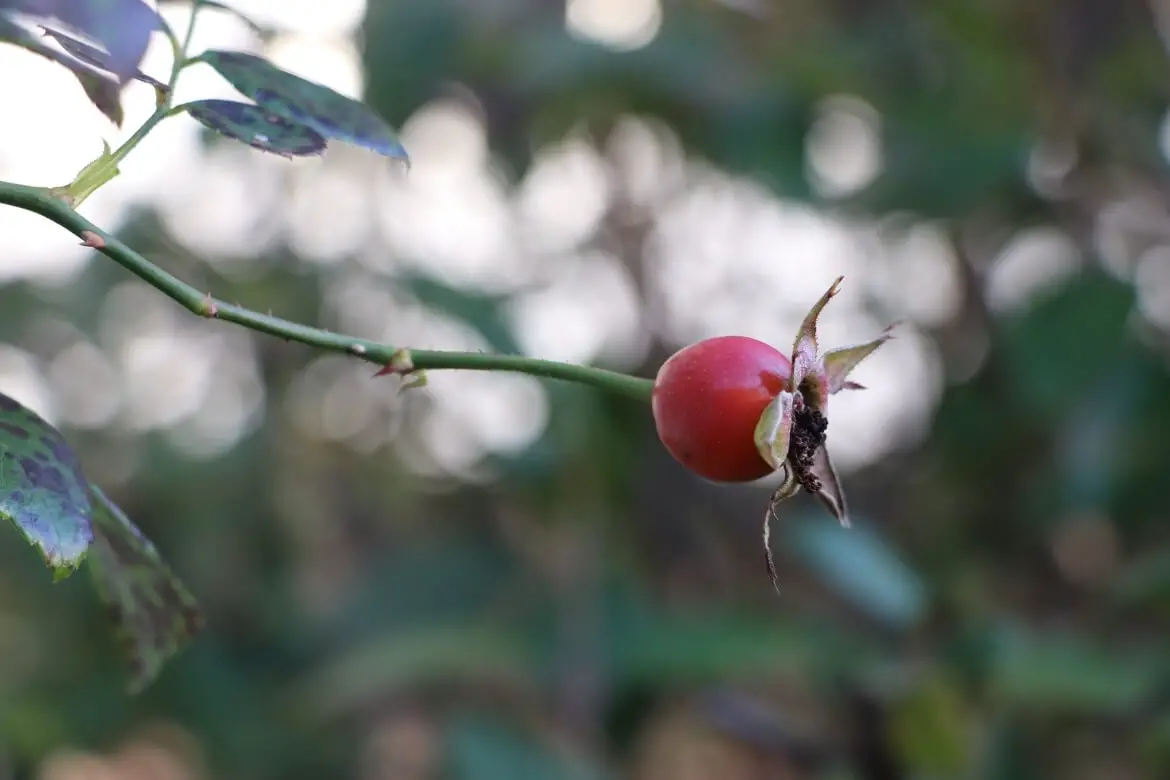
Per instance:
(313,105)
(42,489)
(121,27)
(257,127)
(153,614)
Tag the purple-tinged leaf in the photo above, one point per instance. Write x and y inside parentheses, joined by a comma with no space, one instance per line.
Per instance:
(42,489)
(100,86)
(91,55)
(774,429)
(153,614)
(839,363)
(808,375)
(103,95)
(789,486)
(256,127)
(290,97)
(830,493)
(121,27)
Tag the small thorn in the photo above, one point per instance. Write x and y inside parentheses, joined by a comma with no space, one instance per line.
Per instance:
(92,240)
(400,363)
(357,349)
(209,307)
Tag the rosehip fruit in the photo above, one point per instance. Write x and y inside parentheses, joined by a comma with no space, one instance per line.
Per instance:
(708,398)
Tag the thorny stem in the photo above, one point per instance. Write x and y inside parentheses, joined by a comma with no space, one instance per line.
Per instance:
(45,203)
(41,202)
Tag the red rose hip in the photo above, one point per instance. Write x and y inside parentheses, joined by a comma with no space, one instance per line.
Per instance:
(707,400)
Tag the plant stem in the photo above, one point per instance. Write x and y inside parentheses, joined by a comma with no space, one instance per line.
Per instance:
(102,170)
(128,145)
(41,202)
(179,53)
(186,47)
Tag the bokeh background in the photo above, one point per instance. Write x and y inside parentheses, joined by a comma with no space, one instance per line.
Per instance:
(495,578)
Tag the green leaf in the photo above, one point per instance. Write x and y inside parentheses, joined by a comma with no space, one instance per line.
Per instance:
(154,614)
(42,489)
(484,747)
(1069,338)
(298,100)
(860,565)
(1069,673)
(257,127)
(464,653)
(731,648)
(930,726)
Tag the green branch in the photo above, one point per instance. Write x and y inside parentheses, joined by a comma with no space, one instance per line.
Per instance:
(42,202)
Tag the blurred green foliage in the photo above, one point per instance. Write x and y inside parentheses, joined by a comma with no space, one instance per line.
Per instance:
(593,611)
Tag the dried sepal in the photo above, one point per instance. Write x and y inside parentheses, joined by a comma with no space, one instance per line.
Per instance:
(808,374)
(830,492)
(787,489)
(790,434)
(774,429)
(839,363)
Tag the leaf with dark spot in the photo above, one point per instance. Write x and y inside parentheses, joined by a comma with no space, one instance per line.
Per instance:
(257,127)
(121,27)
(42,489)
(290,97)
(154,615)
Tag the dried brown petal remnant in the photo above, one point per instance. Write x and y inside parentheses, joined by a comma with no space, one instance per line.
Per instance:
(790,434)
